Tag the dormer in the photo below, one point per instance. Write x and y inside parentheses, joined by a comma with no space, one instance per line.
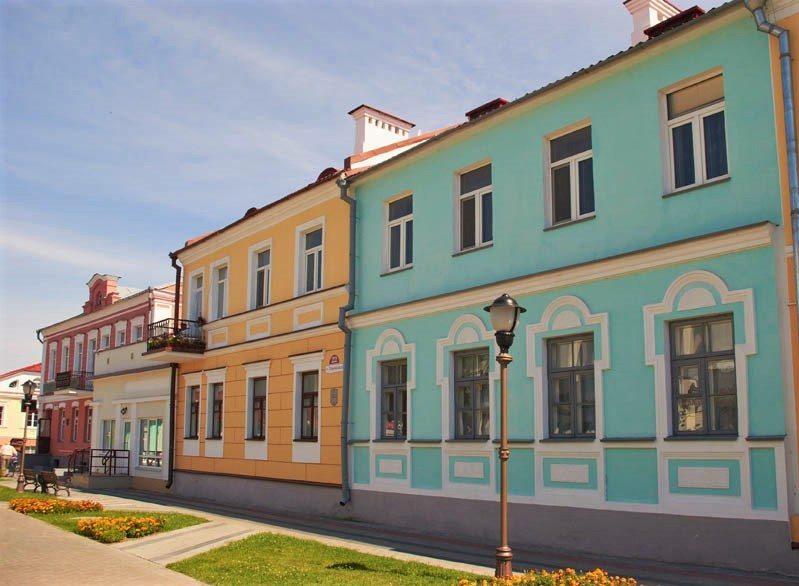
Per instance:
(102,292)
(375,128)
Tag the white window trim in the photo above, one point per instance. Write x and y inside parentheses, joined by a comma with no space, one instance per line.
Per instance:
(77,357)
(105,331)
(256,449)
(573,163)
(211,377)
(89,352)
(215,266)
(121,327)
(387,225)
(192,291)
(299,257)
(65,355)
(700,170)
(191,447)
(252,266)
(303,450)
(457,198)
(51,361)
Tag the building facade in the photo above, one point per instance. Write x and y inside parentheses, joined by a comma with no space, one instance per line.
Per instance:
(634,210)
(12,416)
(113,317)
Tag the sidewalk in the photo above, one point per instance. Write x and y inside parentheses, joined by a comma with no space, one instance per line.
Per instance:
(231,523)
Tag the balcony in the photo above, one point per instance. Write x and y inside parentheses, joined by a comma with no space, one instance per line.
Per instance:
(74,380)
(171,340)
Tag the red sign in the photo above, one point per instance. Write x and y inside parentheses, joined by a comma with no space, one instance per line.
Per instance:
(333,359)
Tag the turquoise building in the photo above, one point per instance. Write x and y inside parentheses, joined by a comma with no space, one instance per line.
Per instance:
(633,208)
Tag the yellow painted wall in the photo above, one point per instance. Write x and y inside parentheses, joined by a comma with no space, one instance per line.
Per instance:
(296,325)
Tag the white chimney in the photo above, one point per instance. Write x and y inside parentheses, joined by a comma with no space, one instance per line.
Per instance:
(647,13)
(374,128)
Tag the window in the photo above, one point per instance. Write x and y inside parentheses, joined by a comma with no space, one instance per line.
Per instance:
(696,133)
(260,279)
(121,338)
(51,364)
(311,278)
(87,426)
(571,176)
(126,434)
(193,412)
(90,355)
(2,416)
(309,428)
(196,297)
(474,211)
(75,424)
(570,379)
(65,357)
(105,341)
(78,356)
(151,442)
(258,423)
(31,419)
(394,400)
(107,440)
(62,424)
(219,302)
(472,405)
(399,233)
(215,397)
(704,392)
(138,332)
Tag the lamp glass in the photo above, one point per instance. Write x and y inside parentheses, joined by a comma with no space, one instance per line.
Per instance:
(503,317)
(27,389)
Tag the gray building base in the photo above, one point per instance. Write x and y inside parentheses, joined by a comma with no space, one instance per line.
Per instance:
(748,545)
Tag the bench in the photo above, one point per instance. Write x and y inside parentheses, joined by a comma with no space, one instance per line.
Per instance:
(31,478)
(48,480)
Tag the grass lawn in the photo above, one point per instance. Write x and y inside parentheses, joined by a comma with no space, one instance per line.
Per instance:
(6,494)
(69,521)
(267,558)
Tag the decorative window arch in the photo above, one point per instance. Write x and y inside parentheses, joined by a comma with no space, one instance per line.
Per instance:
(390,345)
(465,333)
(564,316)
(698,293)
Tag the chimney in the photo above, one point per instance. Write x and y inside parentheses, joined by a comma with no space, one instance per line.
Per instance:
(646,14)
(374,128)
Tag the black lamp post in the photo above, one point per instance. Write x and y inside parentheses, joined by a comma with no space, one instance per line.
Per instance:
(504,317)
(28,387)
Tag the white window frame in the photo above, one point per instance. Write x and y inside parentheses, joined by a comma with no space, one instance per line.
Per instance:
(91,348)
(301,253)
(121,327)
(477,194)
(53,357)
(253,270)
(695,117)
(305,450)
(574,175)
(142,461)
(77,359)
(195,308)
(213,289)
(137,329)
(2,415)
(65,365)
(387,226)
(105,337)
(213,377)
(256,448)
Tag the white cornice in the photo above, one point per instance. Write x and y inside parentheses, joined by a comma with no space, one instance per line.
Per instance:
(274,341)
(283,211)
(671,254)
(101,315)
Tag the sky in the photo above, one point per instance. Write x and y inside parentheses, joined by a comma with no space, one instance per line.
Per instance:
(127,128)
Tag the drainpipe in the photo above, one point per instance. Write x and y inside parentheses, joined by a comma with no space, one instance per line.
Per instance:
(756,8)
(343,185)
(39,336)
(173,379)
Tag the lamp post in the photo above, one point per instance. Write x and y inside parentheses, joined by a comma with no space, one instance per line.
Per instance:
(504,317)
(27,388)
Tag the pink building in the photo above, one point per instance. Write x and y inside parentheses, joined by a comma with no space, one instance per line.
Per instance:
(113,316)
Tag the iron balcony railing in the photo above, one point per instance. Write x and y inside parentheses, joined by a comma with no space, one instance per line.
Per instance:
(100,462)
(74,379)
(182,335)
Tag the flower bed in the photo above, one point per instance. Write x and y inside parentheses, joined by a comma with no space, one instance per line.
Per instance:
(113,529)
(567,577)
(42,506)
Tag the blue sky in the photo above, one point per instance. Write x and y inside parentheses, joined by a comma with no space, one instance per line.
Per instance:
(128,127)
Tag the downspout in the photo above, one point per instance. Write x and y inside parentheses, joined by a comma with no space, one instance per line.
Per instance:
(756,8)
(39,336)
(173,379)
(343,185)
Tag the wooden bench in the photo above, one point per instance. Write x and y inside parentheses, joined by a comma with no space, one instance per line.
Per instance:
(48,480)
(31,478)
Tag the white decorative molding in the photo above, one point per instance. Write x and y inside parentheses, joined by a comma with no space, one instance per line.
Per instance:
(313,308)
(256,449)
(566,313)
(467,331)
(253,323)
(390,343)
(216,375)
(306,451)
(191,447)
(192,379)
(694,477)
(576,473)
(463,469)
(685,286)
(214,448)
(390,466)
(211,334)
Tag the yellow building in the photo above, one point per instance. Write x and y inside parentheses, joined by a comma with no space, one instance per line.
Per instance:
(12,417)
(258,394)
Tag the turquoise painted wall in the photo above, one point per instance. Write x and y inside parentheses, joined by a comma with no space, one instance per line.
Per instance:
(631,475)
(630,210)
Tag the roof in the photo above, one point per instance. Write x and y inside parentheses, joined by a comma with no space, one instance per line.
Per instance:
(606,62)
(393,146)
(127,291)
(30,368)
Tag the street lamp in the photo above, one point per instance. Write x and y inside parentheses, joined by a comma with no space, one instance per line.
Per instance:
(27,388)
(504,317)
